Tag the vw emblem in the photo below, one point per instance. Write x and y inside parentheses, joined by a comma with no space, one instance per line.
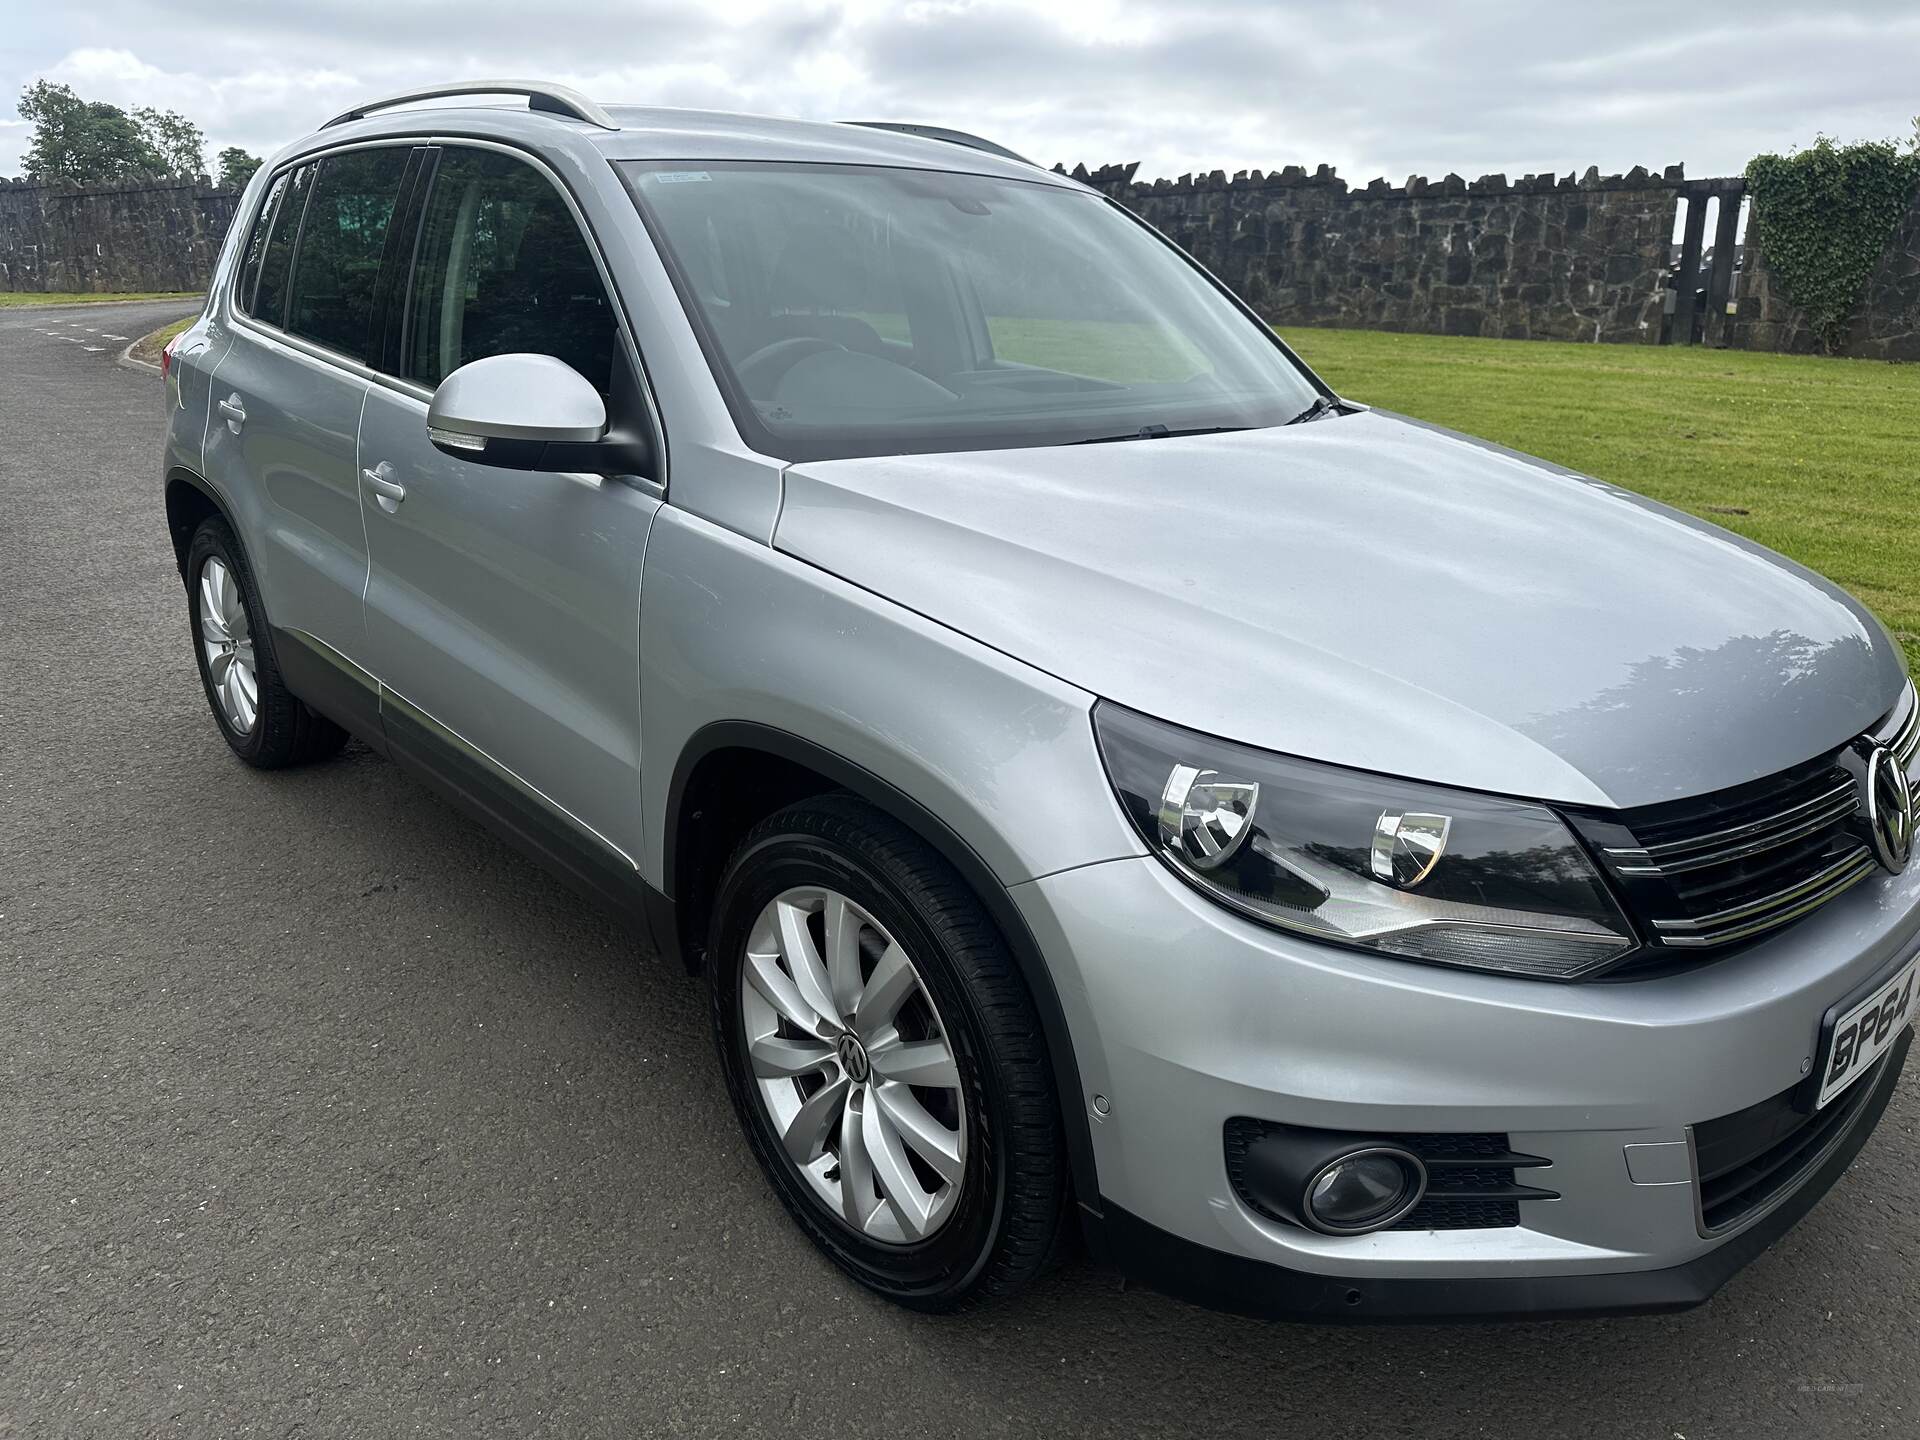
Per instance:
(1889,809)
(853,1058)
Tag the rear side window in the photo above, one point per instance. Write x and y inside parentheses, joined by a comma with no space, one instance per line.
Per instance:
(503,268)
(270,295)
(257,243)
(340,243)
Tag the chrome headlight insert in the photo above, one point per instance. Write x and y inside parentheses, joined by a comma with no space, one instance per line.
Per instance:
(1394,866)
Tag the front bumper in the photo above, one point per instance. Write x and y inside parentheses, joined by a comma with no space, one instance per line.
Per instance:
(1184,1016)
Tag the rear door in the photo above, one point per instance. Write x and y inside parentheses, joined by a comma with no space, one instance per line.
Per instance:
(287,397)
(503,606)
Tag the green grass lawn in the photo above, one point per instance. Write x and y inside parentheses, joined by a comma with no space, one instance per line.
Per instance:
(11,298)
(1818,459)
(148,347)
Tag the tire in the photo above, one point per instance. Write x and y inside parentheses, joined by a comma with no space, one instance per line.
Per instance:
(270,728)
(995,1224)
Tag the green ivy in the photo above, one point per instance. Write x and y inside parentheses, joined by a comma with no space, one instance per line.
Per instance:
(1822,216)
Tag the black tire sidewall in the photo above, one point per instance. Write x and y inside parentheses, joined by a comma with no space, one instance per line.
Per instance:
(213,540)
(930,1274)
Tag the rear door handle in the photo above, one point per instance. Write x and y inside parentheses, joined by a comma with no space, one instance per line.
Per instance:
(235,412)
(387,492)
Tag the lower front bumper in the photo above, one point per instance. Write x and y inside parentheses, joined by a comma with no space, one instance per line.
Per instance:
(1245,1286)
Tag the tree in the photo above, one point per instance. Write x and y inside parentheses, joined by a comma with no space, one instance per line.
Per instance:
(176,140)
(75,139)
(236,167)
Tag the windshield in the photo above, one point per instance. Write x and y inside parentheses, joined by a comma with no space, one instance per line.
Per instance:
(858,310)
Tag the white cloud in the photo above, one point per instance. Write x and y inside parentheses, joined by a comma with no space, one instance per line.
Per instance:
(1387,87)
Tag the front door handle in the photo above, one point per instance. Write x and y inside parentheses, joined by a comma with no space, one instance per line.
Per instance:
(235,412)
(387,492)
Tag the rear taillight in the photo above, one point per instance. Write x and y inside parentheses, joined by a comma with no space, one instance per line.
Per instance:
(166,357)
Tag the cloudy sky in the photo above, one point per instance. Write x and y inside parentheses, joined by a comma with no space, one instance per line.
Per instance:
(1387,88)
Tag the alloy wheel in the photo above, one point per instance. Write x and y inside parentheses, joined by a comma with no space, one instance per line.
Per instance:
(226,639)
(853,1067)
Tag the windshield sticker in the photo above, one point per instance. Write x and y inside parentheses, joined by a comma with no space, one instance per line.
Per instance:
(680,177)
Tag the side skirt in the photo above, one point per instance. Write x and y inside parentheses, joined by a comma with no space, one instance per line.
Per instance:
(476,782)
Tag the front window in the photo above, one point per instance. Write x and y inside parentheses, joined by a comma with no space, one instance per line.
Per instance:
(859,310)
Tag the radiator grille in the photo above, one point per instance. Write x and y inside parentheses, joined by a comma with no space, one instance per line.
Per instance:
(1718,869)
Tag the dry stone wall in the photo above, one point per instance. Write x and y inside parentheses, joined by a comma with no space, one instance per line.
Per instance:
(1542,257)
(142,235)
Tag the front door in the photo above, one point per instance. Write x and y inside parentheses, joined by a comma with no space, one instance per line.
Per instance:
(503,606)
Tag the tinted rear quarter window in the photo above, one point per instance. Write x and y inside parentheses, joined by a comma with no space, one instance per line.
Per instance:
(270,295)
(345,230)
(257,243)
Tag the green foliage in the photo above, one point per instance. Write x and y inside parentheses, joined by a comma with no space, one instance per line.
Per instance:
(236,167)
(1821,217)
(90,140)
(75,139)
(176,140)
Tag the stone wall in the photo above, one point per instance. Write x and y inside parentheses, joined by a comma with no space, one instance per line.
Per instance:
(144,235)
(1544,257)
(1885,323)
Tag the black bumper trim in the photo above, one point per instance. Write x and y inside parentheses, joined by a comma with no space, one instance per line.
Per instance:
(1190,1271)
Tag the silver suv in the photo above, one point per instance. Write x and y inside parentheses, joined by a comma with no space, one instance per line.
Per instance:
(1112,783)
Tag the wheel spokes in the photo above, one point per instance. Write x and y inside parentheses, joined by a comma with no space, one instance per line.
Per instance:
(886,990)
(841,924)
(776,987)
(809,973)
(857,1199)
(213,618)
(915,1062)
(231,610)
(812,1125)
(774,1057)
(855,1071)
(903,1114)
(900,1187)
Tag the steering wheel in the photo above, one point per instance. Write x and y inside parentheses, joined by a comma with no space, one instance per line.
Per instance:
(761,371)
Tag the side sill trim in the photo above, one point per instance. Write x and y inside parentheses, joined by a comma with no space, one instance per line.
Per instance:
(331,683)
(480,785)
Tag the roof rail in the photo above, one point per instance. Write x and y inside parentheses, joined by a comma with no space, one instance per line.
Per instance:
(937,132)
(550,99)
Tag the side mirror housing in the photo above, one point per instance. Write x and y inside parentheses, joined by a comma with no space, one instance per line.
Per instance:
(528,412)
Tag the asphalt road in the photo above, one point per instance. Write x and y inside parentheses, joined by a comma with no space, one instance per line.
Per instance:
(324,1114)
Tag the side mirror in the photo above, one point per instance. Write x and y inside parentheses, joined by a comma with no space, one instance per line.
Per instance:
(528,412)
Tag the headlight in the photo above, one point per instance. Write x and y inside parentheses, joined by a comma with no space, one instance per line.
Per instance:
(1394,866)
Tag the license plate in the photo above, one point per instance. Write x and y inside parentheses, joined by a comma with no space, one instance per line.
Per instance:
(1863,1034)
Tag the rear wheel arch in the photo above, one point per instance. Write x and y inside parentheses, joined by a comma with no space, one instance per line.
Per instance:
(190,501)
(731,774)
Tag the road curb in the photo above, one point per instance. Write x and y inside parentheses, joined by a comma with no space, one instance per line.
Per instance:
(125,357)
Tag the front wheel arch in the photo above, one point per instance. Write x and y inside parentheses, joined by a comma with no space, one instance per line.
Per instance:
(681,881)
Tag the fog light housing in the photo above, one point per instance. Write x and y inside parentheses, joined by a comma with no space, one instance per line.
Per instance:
(1335,1184)
(1365,1191)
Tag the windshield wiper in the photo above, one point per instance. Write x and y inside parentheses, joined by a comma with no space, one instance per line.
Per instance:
(1322,407)
(1159,432)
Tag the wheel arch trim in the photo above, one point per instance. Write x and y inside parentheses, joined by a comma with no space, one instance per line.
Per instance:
(979,876)
(193,480)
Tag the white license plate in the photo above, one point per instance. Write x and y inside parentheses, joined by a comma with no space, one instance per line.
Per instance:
(1863,1034)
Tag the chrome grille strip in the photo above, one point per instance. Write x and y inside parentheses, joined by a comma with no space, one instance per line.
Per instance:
(1739,841)
(1906,740)
(1764,914)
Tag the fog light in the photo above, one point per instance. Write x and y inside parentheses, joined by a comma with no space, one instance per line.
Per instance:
(1365,1191)
(1338,1184)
